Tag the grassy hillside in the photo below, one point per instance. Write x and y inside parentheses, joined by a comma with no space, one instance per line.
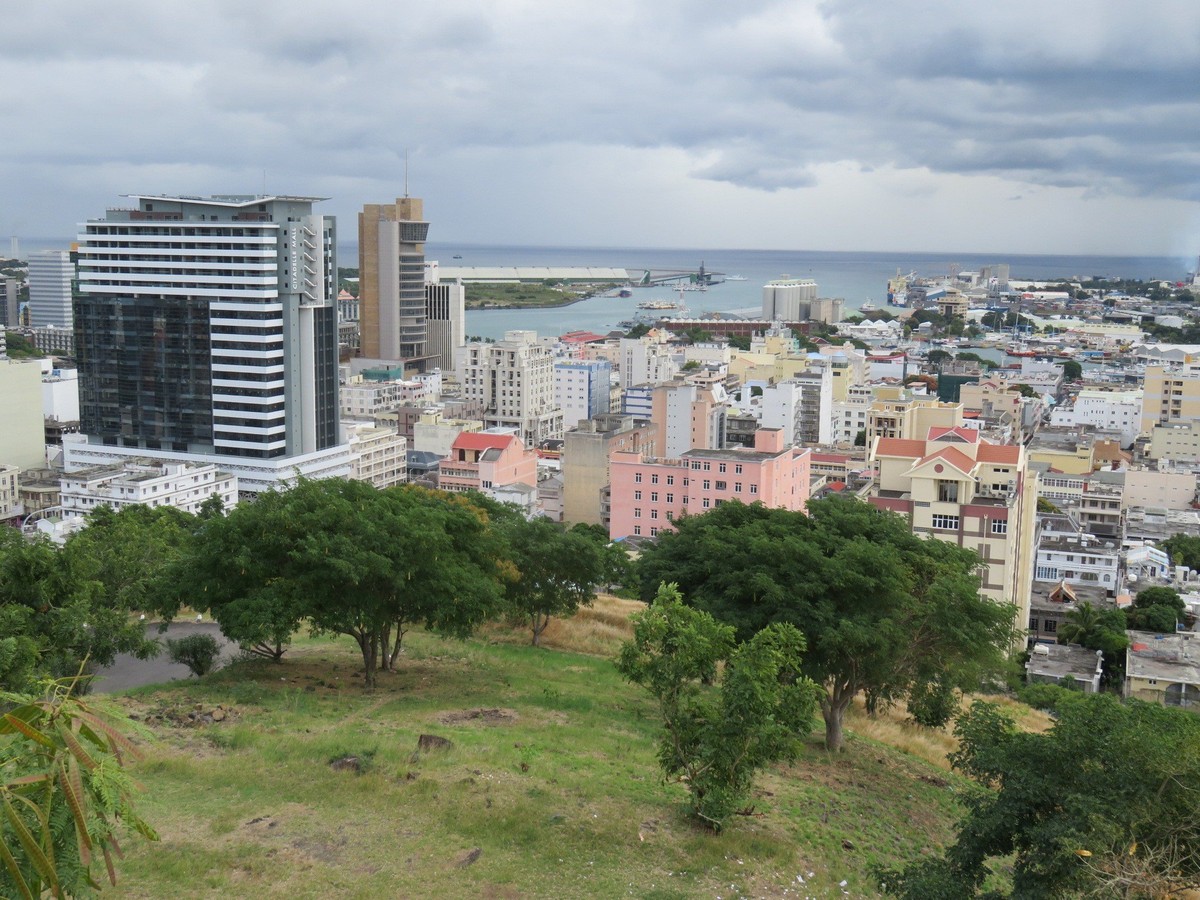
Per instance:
(550,788)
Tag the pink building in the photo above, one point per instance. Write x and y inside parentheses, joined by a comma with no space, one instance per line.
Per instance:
(648,493)
(485,460)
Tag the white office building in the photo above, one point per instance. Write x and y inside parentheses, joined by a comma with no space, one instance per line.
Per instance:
(514,380)
(50,275)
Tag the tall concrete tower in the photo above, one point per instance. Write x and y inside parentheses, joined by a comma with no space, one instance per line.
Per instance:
(391,272)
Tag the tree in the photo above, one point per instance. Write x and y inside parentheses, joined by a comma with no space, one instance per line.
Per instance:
(716,735)
(1072,370)
(617,567)
(556,572)
(860,439)
(936,357)
(882,610)
(128,552)
(64,793)
(1025,391)
(1184,550)
(1104,803)
(1045,506)
(1157,609)
(57,620)
(1098,629)
(354,560)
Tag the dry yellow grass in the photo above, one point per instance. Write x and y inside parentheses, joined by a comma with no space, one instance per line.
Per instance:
(894,727)
(599,629)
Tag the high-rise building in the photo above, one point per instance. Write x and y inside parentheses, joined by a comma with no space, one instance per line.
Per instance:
(788,299)
(206,327)
(391,282)
(50,276)
(10,307)
(445,322)
(582,388)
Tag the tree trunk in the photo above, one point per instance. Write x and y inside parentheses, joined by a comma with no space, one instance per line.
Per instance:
(385,648)
(369,644)
(833,709)
(538,625)
(397,646)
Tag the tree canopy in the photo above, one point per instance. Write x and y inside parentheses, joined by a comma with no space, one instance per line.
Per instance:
(1105,803)
(348,559)
(882,609)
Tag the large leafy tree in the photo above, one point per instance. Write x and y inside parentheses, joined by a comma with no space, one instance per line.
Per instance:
(718,733)
(128,552)
(55,618)
(882,610)
(1104,804)
(1184,550)
(1157,609)
(556,572)
(350,559)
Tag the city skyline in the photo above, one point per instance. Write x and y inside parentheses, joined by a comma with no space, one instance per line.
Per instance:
(1065,129)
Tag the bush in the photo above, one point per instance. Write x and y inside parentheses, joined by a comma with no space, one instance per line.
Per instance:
(198,652)
(933,703)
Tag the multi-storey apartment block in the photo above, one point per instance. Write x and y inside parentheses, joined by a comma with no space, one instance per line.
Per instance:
(514,380)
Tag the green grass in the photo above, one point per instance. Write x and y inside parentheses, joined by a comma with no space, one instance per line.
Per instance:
(560,793)
(527,295)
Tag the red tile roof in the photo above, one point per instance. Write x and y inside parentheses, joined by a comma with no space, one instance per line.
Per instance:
(954,457)
(900,447)
(999,453)
(581,337)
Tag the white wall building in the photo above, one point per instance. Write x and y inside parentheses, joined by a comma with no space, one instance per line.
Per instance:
(850,415)
(646,360)
(514,379)
(582,389)
(788,299)
(1116,411)
(380,454)
(1084,561)
(22,427)
(802,407)
(10,498)
(50,276)
(363,399)
(60,395)
(183,486)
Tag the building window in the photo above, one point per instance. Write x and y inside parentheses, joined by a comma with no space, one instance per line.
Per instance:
(754,488)
(637,477)
(654,479)
(695,465)
(707,484)
(653,532)
(670,479)
(654,513)
(637,495)
(706,504)
(1051,626)
(637,529)
(637,512)
(737,469)
(945,523)
(685,499)
(721,485)
(737,487)
(999,526)
(947,491)
(670,498)
(721,467)
(670,515)
(707,467)
(654,496)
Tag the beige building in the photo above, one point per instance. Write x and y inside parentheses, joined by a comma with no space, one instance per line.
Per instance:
(23,435)
(992,397)
(955,487)
(1064,450)
(380,454)
(898,413)
(1178,441)
(587,450)
(391,271)
(1171,395)
(1163,490)
(1163,668)
(10,497)
(514,380)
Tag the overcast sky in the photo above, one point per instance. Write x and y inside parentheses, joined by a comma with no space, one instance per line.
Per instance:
(1056,126)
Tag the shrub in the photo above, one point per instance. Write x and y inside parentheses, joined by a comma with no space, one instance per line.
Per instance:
(198,652)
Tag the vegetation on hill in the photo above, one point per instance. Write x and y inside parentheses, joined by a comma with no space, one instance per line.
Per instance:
(527,295)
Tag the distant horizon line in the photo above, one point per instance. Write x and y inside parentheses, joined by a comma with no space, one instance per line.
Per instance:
(450,244)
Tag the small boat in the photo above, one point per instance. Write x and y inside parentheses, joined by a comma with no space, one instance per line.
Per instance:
(657,304)
(868,307)
(457,256)
(735,277)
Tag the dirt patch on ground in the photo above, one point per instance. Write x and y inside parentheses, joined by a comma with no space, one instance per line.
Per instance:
(480,716)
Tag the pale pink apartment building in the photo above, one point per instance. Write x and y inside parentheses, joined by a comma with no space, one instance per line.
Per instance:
(483,461)
(650,493)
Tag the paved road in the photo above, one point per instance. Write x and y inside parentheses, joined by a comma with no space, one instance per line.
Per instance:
(129,672)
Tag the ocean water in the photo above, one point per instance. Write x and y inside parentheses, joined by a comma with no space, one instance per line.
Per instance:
(855,276)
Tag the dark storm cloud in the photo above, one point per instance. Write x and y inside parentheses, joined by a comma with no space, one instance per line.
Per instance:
(761,95)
